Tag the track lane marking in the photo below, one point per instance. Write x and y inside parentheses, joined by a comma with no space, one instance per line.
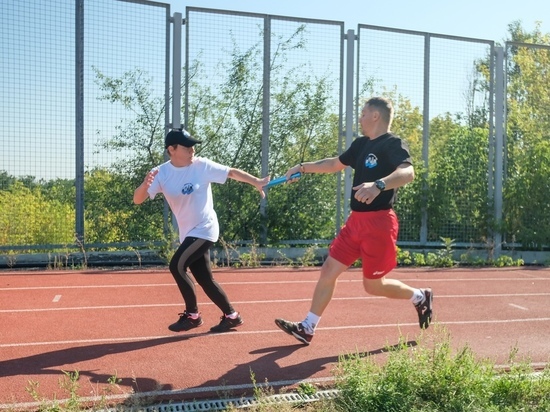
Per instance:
(203,335)
(518,306)
(274,282)
(255,302)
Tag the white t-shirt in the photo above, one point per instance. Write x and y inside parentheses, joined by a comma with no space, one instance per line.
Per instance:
(189,195)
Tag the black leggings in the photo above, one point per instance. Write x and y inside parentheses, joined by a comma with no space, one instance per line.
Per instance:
(194,253)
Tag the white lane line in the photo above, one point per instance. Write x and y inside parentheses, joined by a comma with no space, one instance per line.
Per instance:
(56,298)
(165,305)
(517,306)
(274,282)
(206,335)
(271,301)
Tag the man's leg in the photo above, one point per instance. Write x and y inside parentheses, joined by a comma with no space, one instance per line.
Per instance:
(395,289)
(303,331)
(390,288)
(324,290)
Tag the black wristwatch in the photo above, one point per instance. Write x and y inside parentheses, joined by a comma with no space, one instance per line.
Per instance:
(380,185)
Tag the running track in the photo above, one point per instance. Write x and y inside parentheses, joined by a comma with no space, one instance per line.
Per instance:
(107,323)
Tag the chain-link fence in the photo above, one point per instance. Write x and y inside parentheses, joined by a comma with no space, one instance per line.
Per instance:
(86,103)
(436,76)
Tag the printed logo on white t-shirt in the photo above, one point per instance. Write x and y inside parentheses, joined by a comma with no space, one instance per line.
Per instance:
(188,188)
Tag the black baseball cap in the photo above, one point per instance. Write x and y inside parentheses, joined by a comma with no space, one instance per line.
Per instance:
(181,137)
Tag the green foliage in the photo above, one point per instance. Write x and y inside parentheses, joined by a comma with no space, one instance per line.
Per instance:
(30,217)
(306,389)
(404,257)
(302,127)
(503,261)
(457,184)
(141,138)
(472,260)
(432,376)
(426,375)
(252,258)
(308,258)
(442,258)
(111,216)
(74,402)
(451,190)
(528,140)
(445,255)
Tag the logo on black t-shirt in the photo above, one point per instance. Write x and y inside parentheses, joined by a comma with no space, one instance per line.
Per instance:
(371,161)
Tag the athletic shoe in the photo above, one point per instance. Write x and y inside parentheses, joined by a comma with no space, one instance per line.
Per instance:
(294,329)
(424,309)
(185,322)
(227,324)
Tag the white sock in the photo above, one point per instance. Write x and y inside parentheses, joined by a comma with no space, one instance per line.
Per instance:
(193,315)
(232,315)
(417,297)
(310,322)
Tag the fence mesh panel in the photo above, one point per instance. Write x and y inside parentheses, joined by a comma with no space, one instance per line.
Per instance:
(397,63)
(257,120)
(527,148)
(226,107)
(37,120)
(125,75)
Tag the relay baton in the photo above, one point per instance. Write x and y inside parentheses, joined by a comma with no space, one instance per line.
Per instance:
(282,179)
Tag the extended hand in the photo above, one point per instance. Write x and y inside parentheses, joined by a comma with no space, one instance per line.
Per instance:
(260,185)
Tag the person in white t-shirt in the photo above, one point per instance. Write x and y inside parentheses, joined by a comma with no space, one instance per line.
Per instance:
(185,181)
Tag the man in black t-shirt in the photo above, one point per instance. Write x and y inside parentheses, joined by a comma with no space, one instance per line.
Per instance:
(381,163)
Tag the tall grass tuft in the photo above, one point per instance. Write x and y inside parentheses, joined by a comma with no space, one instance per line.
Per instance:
(432,376)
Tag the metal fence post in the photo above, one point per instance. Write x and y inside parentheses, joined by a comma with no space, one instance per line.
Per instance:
(350,112)
(176,71)
(266,107)
(425,140)
(499,146)
(79,121)
(176,103)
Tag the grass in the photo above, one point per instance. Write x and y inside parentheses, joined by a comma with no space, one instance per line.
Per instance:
(430,376)
(427,375)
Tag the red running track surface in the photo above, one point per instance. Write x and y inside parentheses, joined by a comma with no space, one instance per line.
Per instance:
(113,323)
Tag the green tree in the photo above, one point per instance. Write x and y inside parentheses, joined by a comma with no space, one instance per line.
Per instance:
(110,215)
(229,121)
(527,184)
(458,192)
(29,218)
(407,123)
(303,126)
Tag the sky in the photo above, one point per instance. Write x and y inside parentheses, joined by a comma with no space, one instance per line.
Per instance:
(480,19)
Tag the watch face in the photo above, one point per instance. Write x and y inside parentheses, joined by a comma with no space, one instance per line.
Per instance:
(380,184)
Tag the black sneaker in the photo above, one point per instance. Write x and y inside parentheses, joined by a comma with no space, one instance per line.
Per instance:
(295,329)
(185,322)
(424,309)
(227,324)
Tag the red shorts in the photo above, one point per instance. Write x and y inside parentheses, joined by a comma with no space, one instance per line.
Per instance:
(371,236)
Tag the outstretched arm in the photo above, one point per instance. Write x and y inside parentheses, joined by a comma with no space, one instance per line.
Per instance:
(242,176)
(328,165)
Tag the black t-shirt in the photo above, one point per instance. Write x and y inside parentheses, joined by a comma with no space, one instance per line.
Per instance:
(372,160)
